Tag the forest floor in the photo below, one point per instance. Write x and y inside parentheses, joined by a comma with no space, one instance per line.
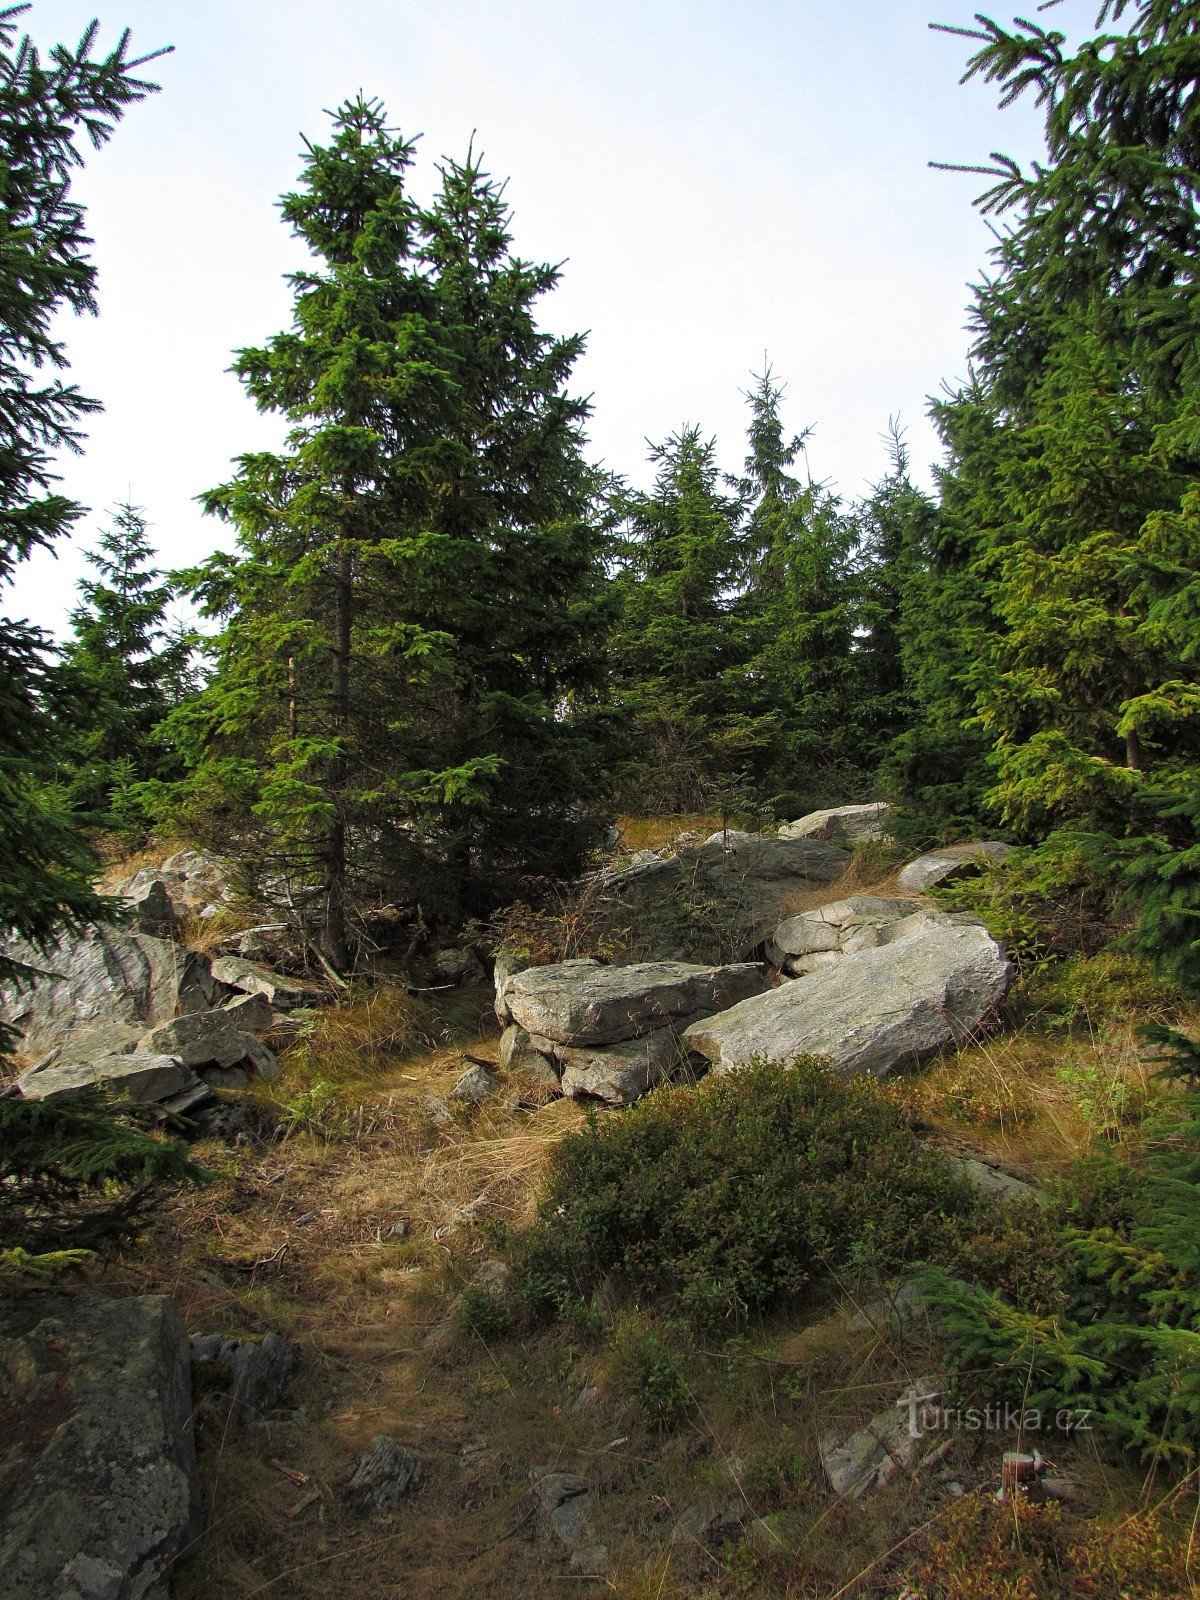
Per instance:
(357,1208)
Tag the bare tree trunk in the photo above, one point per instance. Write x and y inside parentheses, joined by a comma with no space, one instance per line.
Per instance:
(334,939)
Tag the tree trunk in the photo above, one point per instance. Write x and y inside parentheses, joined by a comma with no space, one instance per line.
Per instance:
(334,941)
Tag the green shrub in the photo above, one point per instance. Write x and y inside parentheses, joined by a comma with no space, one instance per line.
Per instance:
(482,1311)
(1056,899)
(1095,990)
(655,1375)
(738,1194)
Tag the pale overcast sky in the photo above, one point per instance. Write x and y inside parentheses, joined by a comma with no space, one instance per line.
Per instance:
(720,179)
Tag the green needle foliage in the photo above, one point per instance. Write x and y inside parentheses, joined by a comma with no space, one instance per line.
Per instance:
(412,623)
(677,639)
(125,669)
(76,1172)
(51,108)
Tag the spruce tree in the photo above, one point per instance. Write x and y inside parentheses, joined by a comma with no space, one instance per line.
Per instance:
(410,610)
(126,668)
(798,609)
(895,527)
(47,107)
(677,639)
(1075,456)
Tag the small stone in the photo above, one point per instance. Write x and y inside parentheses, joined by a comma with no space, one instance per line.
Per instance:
(386,1473)
(710,1521)
(476,1085)
(570,1521)
(257,1373)
(590,1559)
(552,1489)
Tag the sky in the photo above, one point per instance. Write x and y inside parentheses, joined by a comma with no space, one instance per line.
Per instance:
(723,181)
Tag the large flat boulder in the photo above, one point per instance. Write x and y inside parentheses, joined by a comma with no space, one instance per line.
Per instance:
(101,976)
(955,861)
(584,1002)
(841,824)
(871,1011)
(98,1488)
(621,1073)
(715,902)
(142,1078)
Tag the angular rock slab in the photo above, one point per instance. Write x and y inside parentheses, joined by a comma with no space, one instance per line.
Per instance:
(841,824)
(874,1454)
(387,1472)
(955,861)
(584,1002)
(252,978)
(98,1488)
(618,1074)
(100,976)
(144,1078)
(870,1012)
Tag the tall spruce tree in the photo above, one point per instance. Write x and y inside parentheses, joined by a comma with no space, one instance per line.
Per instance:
(1078,452)
(127,668)
(798,609)
(410,609)
(47,108)
(677,640)
(895,529)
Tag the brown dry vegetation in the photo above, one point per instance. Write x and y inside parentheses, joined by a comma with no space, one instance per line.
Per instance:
(356,1211)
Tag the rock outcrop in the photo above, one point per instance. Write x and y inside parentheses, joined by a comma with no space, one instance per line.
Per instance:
(856,923)
(955,861)
(611,1033)
(100,977)
(870,1011)
(98,1488)
(585,1002)
(841,824)
(714,902)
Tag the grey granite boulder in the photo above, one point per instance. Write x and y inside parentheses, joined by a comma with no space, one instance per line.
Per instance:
(251,1013)
(98,1489)
(284,994)
(712,903)
(856,923)
(871,1011)
(387,1473)
(101,976)
(620,1073)
(583,1002)
(840,824)
(955,861)
(144,1078)
(203,1039)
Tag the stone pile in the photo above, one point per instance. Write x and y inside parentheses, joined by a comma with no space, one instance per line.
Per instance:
(611,1033)
(136,1012)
